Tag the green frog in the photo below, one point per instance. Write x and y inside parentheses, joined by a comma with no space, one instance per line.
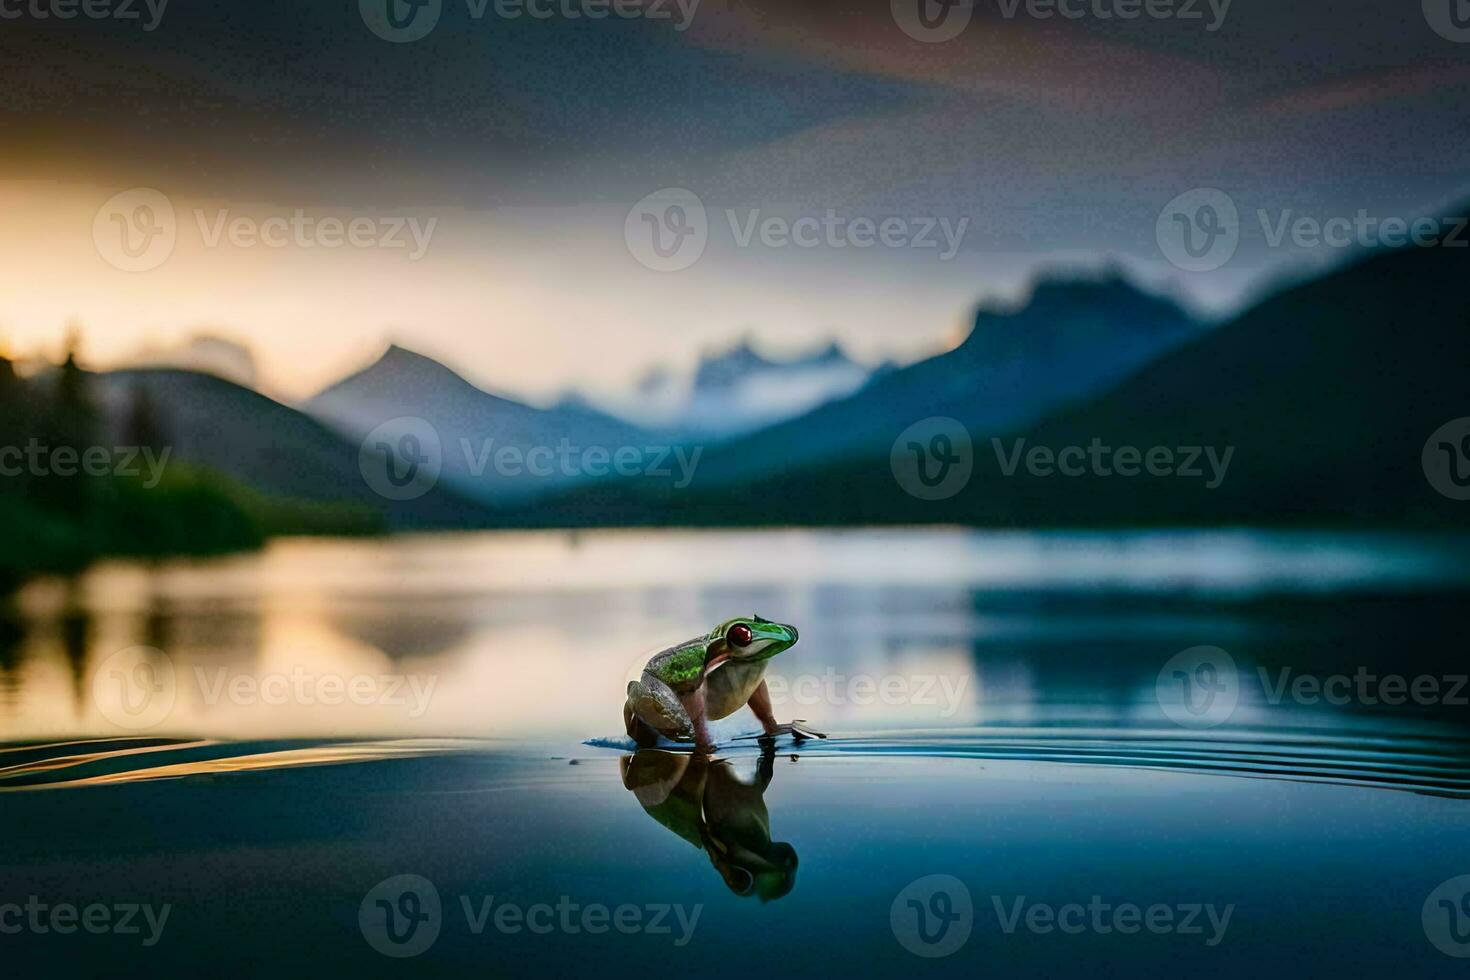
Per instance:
(708,678)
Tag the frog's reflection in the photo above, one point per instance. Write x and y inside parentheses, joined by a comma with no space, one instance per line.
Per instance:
(703,801)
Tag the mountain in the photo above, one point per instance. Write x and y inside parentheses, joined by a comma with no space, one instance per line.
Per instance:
(1323,395)
(1075,336)
(203,352)
(473,426)
(271,448)
(738,390)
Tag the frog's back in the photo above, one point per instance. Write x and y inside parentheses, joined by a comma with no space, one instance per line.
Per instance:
(679,666)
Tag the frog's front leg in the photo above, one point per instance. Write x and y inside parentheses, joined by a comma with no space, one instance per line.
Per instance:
(760,703)
(694,704)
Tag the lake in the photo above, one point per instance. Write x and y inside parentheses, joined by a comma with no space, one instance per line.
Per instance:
(1064,753)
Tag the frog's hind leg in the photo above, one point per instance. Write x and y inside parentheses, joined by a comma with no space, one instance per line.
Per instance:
(653,709)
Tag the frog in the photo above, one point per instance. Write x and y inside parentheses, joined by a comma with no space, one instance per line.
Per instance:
(709,677)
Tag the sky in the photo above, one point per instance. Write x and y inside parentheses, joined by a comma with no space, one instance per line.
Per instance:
(812,169)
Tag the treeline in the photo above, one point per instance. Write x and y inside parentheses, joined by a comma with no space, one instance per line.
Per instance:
(78,482)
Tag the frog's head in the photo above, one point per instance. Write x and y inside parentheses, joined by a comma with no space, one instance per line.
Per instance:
(750,638)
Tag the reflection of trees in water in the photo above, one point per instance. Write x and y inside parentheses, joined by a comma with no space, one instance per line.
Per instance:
(229,635)
(12,632)
(401,633)
(76,631)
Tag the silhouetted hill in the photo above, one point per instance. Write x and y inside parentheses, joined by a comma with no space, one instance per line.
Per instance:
(271,448)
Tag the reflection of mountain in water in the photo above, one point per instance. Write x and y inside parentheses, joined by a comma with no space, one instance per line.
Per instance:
(401,633)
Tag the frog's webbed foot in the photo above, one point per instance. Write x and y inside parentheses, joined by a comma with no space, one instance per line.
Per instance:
(797,729)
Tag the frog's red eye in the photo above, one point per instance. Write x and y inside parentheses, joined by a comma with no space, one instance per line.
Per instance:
(740,635)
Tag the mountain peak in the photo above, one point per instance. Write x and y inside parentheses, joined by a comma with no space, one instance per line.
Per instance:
(1069,304)
(726,369)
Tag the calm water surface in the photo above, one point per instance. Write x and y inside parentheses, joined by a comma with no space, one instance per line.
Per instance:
(1066,727)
